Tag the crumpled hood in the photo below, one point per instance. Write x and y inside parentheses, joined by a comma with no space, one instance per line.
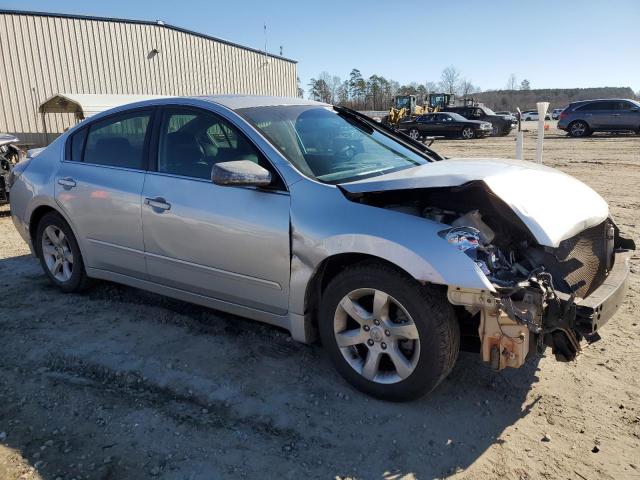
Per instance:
(553,205)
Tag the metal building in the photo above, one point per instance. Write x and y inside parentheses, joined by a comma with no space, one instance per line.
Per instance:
(42,55)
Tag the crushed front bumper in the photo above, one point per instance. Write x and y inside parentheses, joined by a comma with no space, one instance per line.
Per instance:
(596,310)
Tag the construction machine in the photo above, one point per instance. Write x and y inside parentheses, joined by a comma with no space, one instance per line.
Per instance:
(406,107)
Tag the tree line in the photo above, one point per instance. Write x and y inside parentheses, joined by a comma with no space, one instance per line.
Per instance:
(376,92)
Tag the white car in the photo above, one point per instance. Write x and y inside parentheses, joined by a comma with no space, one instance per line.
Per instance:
(533,115)
(555,114)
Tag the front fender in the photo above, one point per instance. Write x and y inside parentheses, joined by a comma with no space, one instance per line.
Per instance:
(336,225)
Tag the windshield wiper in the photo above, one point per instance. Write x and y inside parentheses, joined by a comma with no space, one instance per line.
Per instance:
(389,131)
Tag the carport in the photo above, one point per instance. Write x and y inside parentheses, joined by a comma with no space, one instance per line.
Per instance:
(84,105)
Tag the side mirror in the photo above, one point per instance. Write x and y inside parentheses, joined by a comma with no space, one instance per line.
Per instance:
(240,173)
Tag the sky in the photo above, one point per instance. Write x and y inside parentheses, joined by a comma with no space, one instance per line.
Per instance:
(553,44)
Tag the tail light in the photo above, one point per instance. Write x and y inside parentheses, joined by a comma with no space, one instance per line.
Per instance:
(563,115)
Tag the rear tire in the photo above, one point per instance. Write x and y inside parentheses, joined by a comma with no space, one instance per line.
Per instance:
(414,133)
(59,254)
(411,320)
(579,129)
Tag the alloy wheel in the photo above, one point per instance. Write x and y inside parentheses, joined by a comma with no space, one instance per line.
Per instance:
(467,133)
(57,253)
(578,129)
(376,336)
(415,134)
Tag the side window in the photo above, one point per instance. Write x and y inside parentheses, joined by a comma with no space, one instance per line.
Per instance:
(191,142)
(624,106)
(74,153)
(597,106)
(118,141)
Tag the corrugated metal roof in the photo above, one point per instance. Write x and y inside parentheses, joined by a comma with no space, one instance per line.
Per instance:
(157,23)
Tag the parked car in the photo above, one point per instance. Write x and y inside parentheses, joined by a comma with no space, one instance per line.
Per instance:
(505,112)
(555,114)
(318,219)
(502,124)
(581,119)
(533,115)
(446,125)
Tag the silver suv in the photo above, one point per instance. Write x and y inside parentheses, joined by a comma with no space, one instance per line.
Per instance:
(581,119)
(316,218)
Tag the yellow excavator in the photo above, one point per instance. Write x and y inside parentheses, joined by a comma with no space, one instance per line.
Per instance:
(406,107)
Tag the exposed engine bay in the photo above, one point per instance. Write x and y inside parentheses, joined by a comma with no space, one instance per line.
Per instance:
(538,289)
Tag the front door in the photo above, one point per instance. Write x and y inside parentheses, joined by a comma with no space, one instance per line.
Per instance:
(228,243)
(99,184)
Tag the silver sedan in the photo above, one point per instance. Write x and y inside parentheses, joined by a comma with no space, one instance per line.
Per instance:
(321,221)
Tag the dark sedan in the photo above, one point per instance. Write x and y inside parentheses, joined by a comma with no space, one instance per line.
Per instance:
(445,125)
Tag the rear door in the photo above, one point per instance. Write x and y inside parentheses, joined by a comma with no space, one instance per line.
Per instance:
(230,243)
(99,185)
(426,124)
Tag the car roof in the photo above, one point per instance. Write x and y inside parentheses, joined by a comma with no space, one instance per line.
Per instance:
(235,102)
(603,100)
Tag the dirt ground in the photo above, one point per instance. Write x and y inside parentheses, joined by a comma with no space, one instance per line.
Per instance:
(118,383)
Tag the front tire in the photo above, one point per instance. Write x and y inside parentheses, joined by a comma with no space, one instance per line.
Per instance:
(579,129)
(468,133)
(59,253)
(386,334)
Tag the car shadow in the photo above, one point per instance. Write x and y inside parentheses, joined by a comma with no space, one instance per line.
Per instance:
(106,355)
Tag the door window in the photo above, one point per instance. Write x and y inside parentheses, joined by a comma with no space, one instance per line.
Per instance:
(191,142)
(118,141)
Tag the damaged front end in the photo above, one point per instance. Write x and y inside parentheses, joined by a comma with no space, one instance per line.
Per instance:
(542,296)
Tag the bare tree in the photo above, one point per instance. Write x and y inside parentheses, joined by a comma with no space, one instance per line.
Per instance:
(525,85)
(431,87)
(512,83)
(449,79)
(466,88)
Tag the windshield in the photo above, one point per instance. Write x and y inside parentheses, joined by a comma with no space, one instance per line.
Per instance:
(327,146)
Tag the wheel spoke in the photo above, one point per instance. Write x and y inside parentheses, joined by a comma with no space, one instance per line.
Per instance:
(61,238)
(371,364)
(51,235)
(48,250)
(349,338)
(400,362)
(355,310)
(405,331)
(66,270)
(380,305)
(57,266)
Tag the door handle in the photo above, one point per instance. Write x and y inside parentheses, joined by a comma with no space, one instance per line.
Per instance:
(587,114)
(158,202)
(67,182)
(615,114)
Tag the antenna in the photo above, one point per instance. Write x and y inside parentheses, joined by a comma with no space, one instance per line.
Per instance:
(280,50)
(266,56)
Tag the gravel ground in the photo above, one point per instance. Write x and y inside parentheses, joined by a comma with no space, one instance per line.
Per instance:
(118,383)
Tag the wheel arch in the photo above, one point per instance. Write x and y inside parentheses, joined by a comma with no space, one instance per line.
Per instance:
(35,217)
(328,269)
